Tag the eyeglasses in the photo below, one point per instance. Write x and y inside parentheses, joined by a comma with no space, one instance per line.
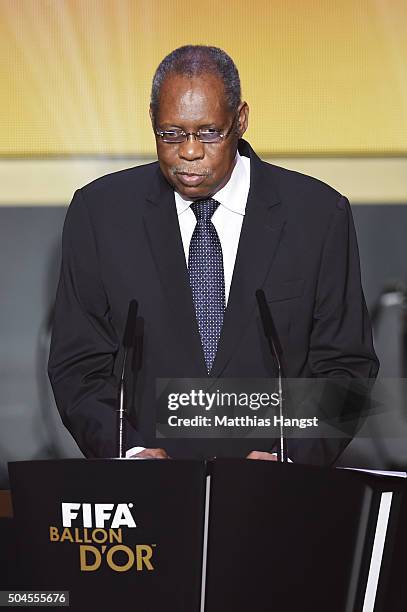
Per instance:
(205,135)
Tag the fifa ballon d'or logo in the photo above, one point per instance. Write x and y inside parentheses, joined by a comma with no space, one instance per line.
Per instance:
(139,557)
(98,529)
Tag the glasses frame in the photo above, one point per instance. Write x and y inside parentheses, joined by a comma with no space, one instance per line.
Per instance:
(222,134)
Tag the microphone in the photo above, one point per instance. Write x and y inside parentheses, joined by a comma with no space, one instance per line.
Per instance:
(270,332)
(128,342)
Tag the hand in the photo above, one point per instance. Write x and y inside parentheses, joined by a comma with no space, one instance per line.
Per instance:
(151,453)
(262,455)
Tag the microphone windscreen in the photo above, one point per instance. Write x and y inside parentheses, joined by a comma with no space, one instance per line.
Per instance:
(130,329)
(269,328)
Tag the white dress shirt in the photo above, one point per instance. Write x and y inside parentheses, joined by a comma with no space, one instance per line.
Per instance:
(227,219)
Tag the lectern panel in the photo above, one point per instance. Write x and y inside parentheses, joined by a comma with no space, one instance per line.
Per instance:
(118,534)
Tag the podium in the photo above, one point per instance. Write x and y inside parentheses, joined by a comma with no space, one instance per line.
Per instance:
(148,559)
(294,537)
(193,536)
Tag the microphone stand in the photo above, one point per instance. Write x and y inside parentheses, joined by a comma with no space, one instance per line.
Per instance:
(275,348)
(128,342)
(121,409)
(282,453)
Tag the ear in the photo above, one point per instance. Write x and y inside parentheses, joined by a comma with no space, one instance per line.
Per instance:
(151,116)
(243,118)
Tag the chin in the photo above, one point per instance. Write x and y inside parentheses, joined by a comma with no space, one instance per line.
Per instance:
(193,193)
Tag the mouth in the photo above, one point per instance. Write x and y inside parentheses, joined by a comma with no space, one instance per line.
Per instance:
(189,179)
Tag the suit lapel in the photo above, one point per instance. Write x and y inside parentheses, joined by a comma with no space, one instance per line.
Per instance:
(260,236)
(164,236)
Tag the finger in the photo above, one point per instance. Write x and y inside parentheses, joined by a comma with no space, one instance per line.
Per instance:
(161,453)
(262,455)
(152,453)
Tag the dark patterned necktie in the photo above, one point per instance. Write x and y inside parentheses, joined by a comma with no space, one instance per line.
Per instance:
(205,268)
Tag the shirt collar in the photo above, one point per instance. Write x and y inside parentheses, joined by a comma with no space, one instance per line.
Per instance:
(233,195)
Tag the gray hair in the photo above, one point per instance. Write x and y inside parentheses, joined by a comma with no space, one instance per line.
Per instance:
(196,60)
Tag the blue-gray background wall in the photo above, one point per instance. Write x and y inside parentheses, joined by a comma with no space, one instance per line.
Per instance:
(30,426)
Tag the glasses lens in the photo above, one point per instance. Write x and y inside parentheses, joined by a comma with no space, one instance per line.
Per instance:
(173,136)
(209,136)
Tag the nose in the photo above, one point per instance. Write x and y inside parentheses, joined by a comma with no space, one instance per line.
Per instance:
(191,148)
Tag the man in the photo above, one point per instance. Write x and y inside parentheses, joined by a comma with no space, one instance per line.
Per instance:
(191,238)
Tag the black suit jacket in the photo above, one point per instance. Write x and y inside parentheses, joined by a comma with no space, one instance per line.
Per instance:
(121,240)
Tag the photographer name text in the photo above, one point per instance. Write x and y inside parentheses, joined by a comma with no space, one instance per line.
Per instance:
(241,421)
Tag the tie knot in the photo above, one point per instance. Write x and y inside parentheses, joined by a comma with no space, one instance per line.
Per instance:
(204,209)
